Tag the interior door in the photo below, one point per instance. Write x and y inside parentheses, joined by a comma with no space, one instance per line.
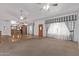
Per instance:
(40,30)
(24,30)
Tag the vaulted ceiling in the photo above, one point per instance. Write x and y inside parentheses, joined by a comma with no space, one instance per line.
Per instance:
(32,11)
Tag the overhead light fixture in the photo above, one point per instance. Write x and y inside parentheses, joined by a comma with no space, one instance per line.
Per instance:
(13,22)
(25,24)
(46,7)
(21,16)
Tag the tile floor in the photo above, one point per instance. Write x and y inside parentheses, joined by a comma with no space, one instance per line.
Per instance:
(37,47)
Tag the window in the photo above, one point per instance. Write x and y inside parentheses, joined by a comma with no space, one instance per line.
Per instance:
(58,29)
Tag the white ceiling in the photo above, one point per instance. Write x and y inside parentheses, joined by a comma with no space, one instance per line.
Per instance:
(11,11)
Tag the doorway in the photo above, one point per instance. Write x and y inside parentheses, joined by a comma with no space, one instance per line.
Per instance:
(24,30)
(40,33)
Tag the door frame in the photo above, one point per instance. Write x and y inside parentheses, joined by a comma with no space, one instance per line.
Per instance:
(40,30)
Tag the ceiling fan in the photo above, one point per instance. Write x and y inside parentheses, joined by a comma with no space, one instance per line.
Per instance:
(46,6)
(51,4)
(20,20)
(21,15)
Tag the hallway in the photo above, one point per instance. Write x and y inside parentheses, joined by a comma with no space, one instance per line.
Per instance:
(39,47)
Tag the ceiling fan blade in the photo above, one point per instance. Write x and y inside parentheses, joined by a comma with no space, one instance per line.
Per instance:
(54,4)
(51,4)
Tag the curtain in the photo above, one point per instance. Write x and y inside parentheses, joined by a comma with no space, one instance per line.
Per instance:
(58,30)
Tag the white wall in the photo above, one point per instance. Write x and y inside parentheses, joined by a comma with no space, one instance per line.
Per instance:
(5,27)
(76,31)
(36,28)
